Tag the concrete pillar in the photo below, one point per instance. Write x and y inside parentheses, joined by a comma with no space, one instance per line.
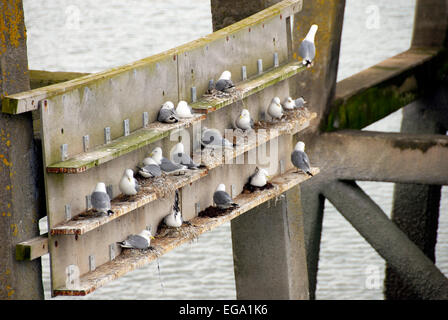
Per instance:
(416,207)
(19,164)
(269,251)
(387,239)
(318,86)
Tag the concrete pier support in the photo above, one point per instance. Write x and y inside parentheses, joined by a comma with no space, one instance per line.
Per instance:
(19,164)
(269,250)
(416,207)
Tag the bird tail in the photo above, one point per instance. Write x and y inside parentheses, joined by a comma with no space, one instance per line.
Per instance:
(235,205)
(309,173)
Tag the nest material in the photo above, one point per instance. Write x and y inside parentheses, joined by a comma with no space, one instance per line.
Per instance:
(248,188)
(229,93)
(212,212)
(187,230)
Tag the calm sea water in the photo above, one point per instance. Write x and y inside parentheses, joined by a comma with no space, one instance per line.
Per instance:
(90,36)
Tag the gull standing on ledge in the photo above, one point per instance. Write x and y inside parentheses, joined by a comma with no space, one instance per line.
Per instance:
(179,156)
(244,121)
(128,184)
(212,138)
(140,241)
(307,49)
(275,109)
(100,199)
(165,164)
(224,82)
(222,199)
(300,159)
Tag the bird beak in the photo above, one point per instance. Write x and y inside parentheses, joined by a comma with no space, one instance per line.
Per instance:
(152,237)
(129,179)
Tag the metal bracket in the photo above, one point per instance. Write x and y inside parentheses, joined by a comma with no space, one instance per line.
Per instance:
(88,202)
(92,266)
(276,63)
(282,166)
(197,207)
(107,135)
(260,66)
(193,94)
(85,142)
(126,127)
(233,190)
(243,73)
(110,190)
(145,119)
(64,152)
(68,212)
(112,251)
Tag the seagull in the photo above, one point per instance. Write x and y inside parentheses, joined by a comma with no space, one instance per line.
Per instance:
(288,104)
(128,184)
(299,102)
(224,82)
(179,156)
(244,121)
(307,49)
(140,241)
(222,199)
(174,219)
(150,168)
(167,114)
(183,110)
(300,159)
(275,109)
(100,199)
(212,138)
(259,178)
(211,86)
(165,164)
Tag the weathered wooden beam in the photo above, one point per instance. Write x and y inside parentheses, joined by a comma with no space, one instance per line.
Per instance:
(167,240)
(387,239)
(374,93)
(32,249)
(150,191)
(28,100)
(380,156)
(156,131)
(41,78)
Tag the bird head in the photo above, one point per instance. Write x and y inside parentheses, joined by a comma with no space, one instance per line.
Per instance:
(100,187)
(300,146)
(276,100)
(221,187)
(226,75)
(244,114)
(168,105)
(129,173)
(182,104)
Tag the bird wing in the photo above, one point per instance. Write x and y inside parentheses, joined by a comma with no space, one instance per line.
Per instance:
(300,160)
(221,197)
(100,200)
(168,166)
(223,84)
(152,169)
(135,241)
(167,116)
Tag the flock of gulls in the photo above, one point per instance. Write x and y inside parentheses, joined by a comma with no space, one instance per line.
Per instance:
(155,164)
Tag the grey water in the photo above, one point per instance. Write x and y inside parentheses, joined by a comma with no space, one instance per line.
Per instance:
(91,36)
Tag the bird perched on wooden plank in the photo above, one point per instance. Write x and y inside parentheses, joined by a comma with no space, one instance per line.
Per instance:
(174,218)
(275,109)
(224,82)
(100,200)
(167,114)
(244,121)
(222,199)
(300,159)
(140,241)
(128,184)
(179,156)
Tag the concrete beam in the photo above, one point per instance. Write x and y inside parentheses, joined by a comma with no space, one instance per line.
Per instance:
(379,156)
(40,78)
(387,239)
(376,92)
(430,24)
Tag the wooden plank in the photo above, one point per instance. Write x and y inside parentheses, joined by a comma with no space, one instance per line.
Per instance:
(130,260)
(28,100)
(32,249)
(156,131)
(152,191)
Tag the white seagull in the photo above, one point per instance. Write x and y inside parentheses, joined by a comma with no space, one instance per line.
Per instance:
(167,114)
(128,184)
(307,49)
(183,110)
(174,219)
(150,168)
(300,159)
(299,102)
(100,199)
(222,199)
(244,121)
(179,156)
(165,164)
(212,138)
(259,178)
(288,104)
(275,109)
